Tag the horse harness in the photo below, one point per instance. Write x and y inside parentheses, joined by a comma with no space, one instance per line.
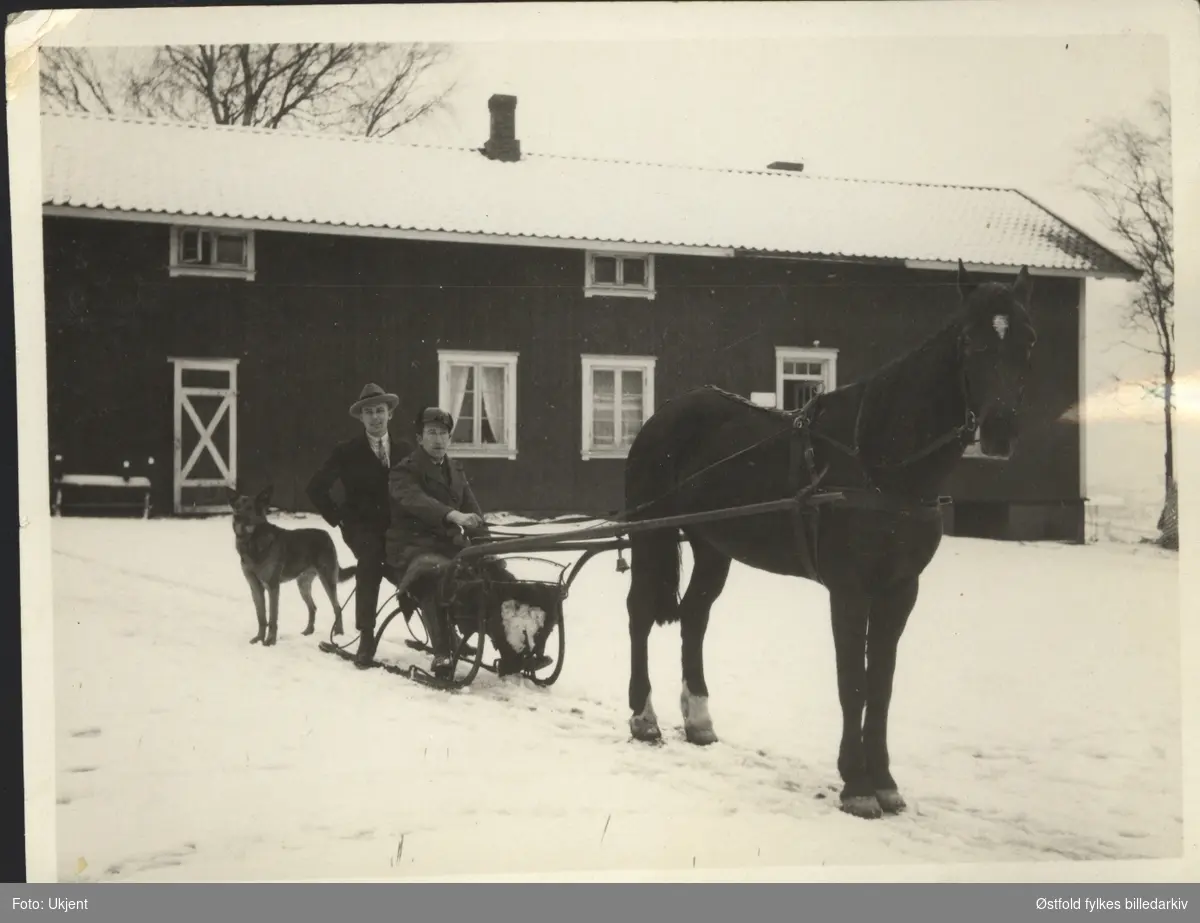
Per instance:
(802,466)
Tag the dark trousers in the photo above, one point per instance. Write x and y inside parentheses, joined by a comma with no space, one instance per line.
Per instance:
(425,591)
(366,543)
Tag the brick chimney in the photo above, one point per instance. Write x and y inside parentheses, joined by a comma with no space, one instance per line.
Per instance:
(503,143)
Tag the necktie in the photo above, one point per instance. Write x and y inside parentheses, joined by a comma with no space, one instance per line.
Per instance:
(381,451)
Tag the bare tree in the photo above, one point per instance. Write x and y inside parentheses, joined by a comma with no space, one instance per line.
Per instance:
(75,79)
(1127,173)
(362,89)
(389,99)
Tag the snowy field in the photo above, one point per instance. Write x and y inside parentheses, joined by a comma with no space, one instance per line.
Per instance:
(1036,717)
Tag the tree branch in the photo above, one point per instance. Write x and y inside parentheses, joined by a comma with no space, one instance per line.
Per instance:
(1128,176)
(366,89)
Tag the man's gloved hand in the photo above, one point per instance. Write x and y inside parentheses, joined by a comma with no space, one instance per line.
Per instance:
(464,520)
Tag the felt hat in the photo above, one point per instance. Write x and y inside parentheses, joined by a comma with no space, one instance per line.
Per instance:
(373,394)
(434,415)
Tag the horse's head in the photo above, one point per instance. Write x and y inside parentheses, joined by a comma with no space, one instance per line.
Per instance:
(997,343)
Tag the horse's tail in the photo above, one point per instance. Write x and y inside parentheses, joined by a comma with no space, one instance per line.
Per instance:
(655,560)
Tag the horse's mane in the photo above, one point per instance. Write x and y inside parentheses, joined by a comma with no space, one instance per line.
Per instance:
(774,412)
(898,366)
(931,345)
(927,349)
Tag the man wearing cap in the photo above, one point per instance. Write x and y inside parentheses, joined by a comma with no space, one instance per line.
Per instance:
(362,464)
(431,501)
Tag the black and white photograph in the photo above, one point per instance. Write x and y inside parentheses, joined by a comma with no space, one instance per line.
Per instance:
(687,441)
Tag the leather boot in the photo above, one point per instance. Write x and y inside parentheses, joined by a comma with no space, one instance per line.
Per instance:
(365,656)
(442,666)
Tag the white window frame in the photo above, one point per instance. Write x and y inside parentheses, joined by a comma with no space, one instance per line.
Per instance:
(592,288)
(822,354)
(448,357)
(178,267)
(590,363)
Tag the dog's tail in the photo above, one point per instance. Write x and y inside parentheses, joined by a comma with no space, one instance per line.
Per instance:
(345,573)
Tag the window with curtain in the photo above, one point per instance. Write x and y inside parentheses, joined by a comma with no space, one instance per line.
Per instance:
(618,398)
(479,391)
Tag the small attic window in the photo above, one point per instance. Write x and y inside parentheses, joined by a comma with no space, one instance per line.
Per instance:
(223,253)
(619,274)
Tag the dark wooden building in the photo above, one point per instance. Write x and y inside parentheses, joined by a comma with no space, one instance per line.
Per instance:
(216,297)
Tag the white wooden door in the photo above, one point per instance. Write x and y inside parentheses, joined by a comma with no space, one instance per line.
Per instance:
(205,433)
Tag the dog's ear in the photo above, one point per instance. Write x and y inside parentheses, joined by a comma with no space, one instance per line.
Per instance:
(264,496)
(231,495)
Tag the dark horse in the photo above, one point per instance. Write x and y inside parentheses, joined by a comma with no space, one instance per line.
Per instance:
(888,443)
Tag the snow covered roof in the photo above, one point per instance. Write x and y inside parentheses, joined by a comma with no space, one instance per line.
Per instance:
(335,181)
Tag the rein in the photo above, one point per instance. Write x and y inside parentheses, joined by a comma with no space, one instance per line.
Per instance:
(804,419)
(619,516)
(802,432)
(805,520)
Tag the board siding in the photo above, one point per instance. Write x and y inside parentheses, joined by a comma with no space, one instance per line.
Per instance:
(327,314)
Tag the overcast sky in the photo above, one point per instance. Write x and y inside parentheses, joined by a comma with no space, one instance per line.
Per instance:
(1004,111)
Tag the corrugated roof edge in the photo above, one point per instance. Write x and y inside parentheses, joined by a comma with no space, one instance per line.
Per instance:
(1126,268)
(336,137)
(831,256)
(1134,271)
(519,235)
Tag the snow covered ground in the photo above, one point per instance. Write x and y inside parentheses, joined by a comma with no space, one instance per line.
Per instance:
(1036,717)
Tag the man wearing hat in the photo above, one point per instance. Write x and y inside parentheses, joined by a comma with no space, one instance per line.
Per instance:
(362,464)
(431,501)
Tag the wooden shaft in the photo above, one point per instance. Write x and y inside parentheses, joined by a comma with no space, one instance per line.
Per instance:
(554,542)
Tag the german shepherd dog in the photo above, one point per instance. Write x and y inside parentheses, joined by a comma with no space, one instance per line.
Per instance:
(271,556)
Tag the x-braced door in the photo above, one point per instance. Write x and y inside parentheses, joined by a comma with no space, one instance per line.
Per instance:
(205,433)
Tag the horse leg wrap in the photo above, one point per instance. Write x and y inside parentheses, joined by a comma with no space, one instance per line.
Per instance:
(697,723)
(865,806)
(645,725)
(891,801)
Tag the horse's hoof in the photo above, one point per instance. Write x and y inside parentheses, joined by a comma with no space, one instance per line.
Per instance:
(308,631)
(257,639)
(700,736)
(647,731)
(337,630)
(891,801)
(864,806)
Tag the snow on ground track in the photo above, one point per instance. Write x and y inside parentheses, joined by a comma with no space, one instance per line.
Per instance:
(1036,716)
